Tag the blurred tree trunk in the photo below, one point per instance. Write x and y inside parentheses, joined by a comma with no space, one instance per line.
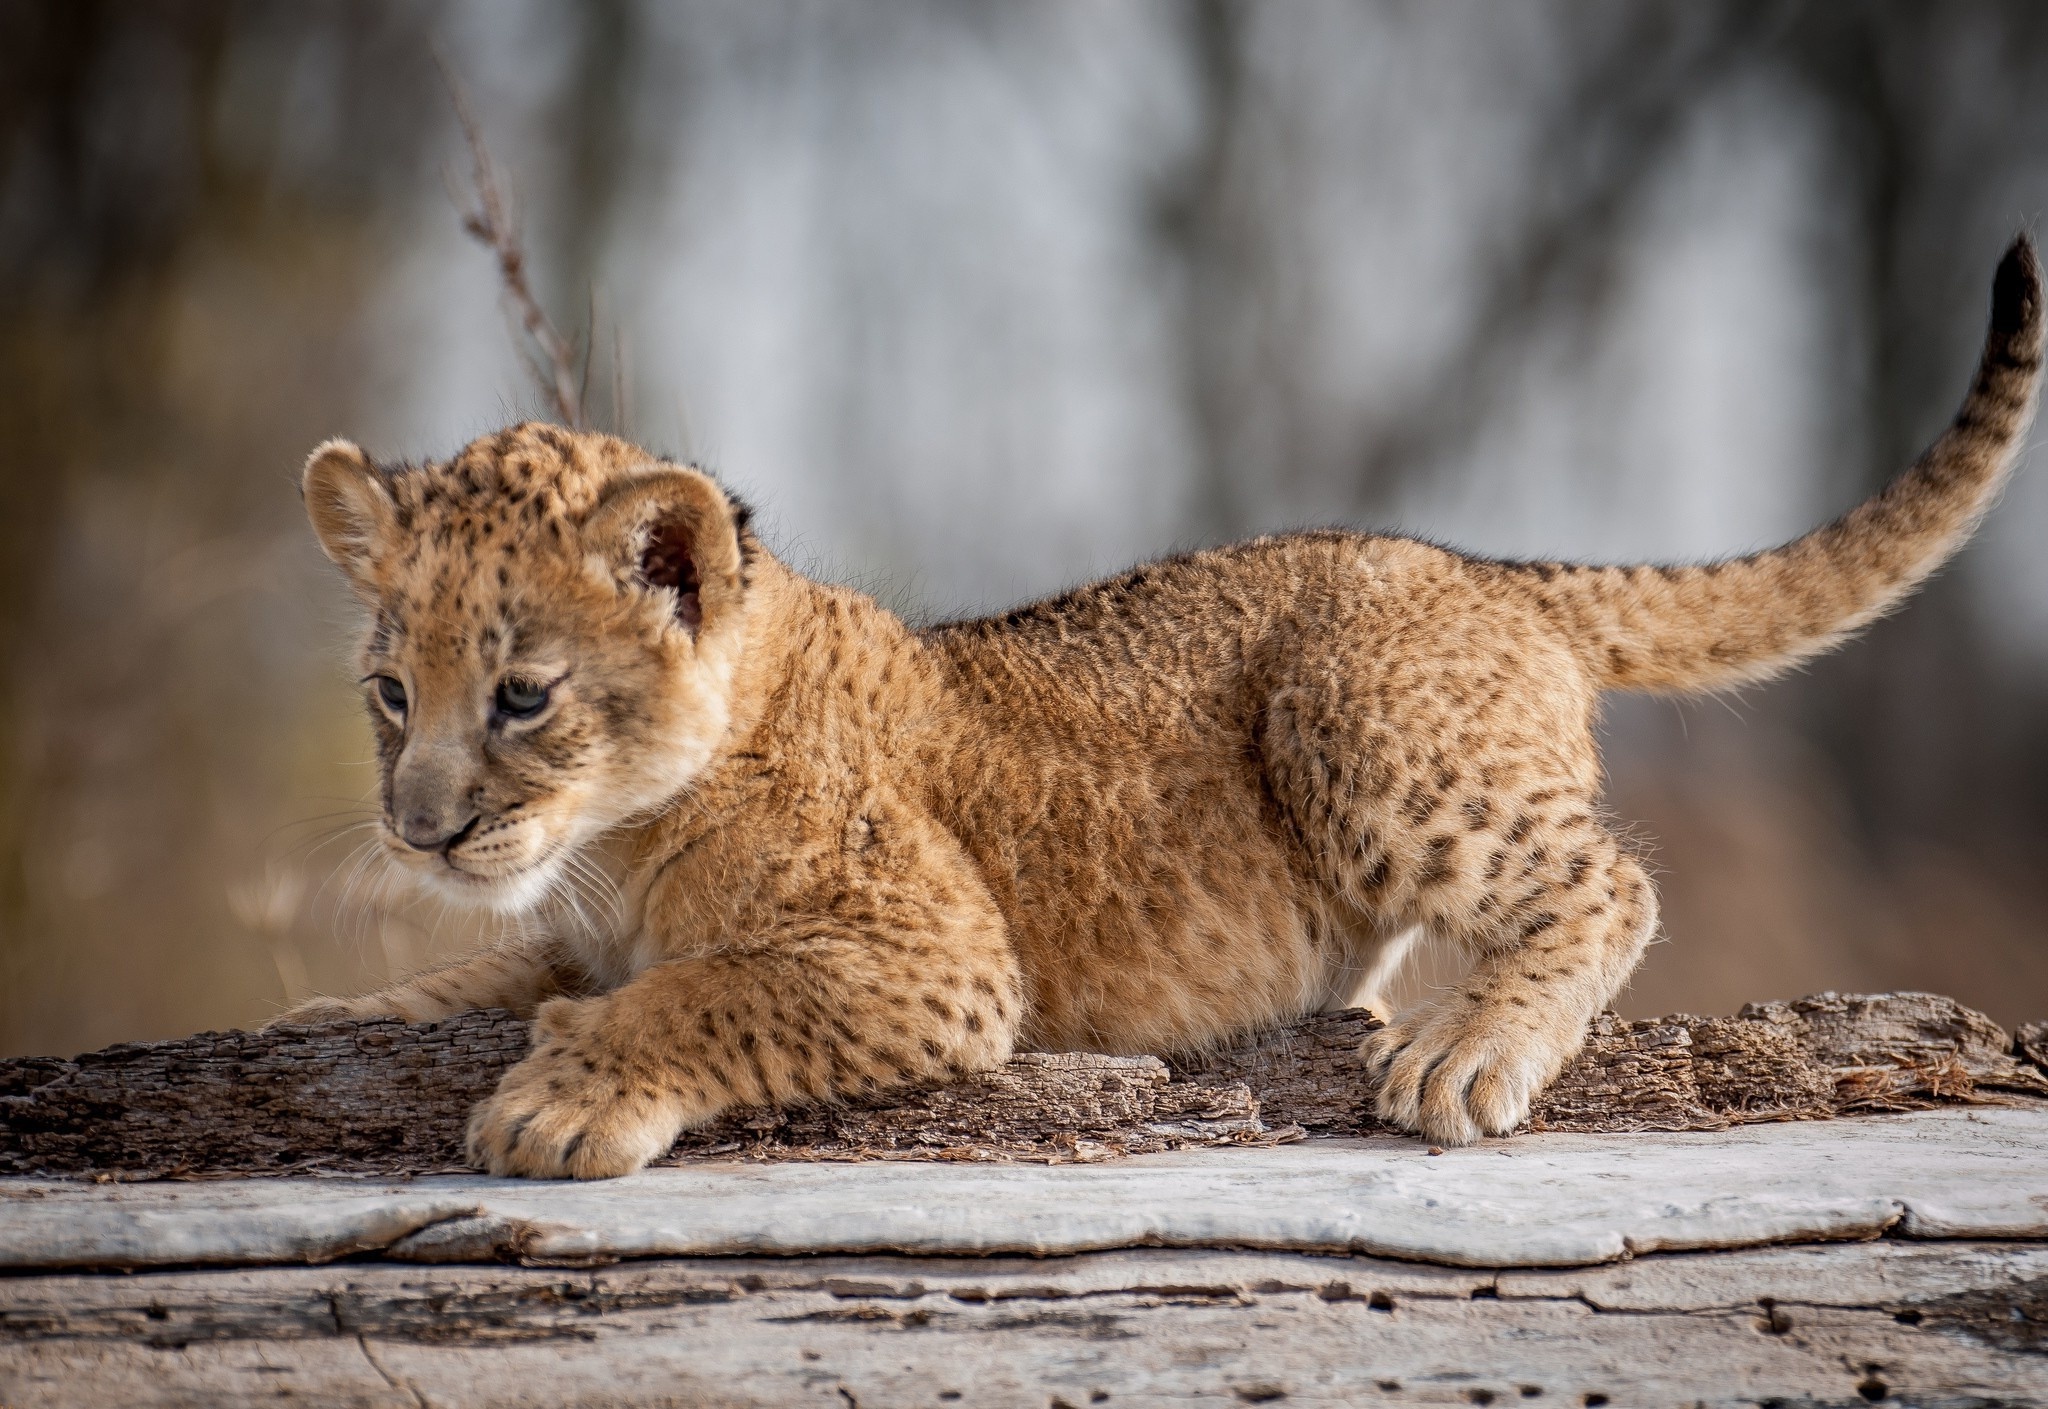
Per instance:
(140,154)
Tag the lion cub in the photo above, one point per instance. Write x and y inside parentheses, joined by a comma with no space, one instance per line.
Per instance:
(839,855)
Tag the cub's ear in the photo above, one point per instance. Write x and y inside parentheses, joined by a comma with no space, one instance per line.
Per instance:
(671,531)
(351,509)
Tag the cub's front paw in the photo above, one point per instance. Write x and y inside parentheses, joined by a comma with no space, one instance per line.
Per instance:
(573,1109)
(1454,1074)
(314,1011)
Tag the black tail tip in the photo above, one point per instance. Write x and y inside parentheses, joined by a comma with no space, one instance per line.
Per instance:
(2016,292)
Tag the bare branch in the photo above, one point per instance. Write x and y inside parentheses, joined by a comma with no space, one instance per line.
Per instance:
(589,346)
(622,409)
(491,224)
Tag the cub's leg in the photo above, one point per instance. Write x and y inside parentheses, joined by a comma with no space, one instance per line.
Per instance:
(1557,933)
(516,975)
(1470,812)
(813,1009)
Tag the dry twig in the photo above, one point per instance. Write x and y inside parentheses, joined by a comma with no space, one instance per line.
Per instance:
(555,359)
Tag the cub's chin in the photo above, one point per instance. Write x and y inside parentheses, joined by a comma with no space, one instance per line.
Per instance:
(511,893)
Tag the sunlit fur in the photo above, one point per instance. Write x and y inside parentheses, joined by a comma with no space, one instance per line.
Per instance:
(771,845)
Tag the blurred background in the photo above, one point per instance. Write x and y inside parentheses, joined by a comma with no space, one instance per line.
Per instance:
(976,301)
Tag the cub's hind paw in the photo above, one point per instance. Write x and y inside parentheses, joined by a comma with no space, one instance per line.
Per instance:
(1454,1077)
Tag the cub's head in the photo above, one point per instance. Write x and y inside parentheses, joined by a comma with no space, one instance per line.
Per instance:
(556,618)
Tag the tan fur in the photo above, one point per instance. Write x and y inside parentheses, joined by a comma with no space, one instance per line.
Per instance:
(820,853)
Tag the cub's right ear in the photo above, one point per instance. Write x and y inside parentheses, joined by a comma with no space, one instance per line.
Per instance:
(351,510)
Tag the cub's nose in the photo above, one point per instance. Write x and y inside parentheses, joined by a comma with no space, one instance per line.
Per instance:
(424,830)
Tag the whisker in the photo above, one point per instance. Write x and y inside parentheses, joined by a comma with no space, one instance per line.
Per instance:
(347,863)
(603,892)
(565,885)
(348,911)
(304,852)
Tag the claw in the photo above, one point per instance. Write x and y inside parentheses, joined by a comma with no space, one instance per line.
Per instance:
(554,1116)
(1456,1076)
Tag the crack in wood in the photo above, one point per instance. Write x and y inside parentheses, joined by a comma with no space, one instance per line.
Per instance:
(1207,1327)
(2013,1318)
(477,1307)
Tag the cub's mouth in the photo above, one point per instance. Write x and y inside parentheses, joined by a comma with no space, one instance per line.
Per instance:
(509,868)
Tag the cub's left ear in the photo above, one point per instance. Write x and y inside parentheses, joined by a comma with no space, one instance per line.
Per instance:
(671,531)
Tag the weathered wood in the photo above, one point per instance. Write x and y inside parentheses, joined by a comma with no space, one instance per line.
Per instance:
(2031,1042)
(1054,1106)
(1553,1268)
(379,1094)
(1843,1324)
(1827,1055)
(382,1097)
(1538,1200)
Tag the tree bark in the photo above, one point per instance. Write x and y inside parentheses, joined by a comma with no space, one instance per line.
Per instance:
(387,1098)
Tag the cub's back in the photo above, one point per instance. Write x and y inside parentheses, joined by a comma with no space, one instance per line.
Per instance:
(1104,769)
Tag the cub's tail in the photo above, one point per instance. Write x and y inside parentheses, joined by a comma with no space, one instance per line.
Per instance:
(1721,624)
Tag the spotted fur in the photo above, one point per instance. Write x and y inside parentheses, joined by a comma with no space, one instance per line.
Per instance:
(837,855)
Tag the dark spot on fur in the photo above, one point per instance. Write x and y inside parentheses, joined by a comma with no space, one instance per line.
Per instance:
(1418,804)
(1436,861)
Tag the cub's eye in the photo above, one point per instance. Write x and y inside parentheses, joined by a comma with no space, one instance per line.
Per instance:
(392,693)
(520,699)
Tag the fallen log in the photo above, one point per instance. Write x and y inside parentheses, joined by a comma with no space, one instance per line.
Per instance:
(1837,1261)
(1845,1323)
(382,1097)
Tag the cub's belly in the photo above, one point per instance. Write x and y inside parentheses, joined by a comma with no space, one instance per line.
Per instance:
(1164,951)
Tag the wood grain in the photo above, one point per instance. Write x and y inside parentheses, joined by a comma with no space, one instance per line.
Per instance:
(1838,1324)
